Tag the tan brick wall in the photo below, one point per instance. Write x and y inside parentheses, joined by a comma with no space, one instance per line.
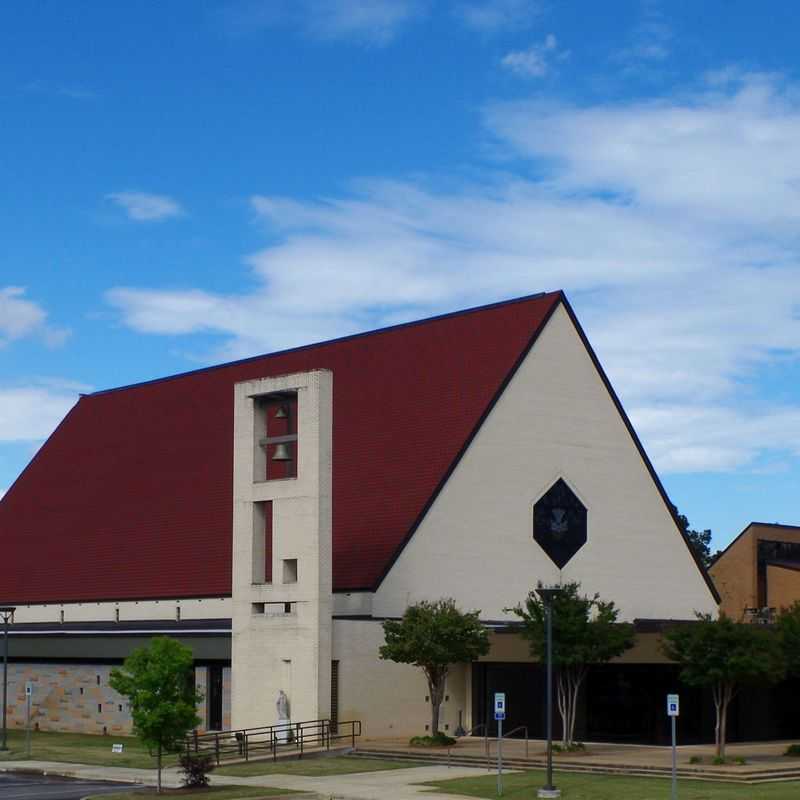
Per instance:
(783,587)
(734,575)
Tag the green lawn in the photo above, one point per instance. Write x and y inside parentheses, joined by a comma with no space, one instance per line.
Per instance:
(82,748)
(313,767)
(215,792)
(613,787)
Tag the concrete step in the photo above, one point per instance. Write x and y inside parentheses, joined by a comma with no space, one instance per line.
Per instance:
(473,760)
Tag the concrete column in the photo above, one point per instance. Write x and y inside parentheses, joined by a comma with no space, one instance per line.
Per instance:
(282,630)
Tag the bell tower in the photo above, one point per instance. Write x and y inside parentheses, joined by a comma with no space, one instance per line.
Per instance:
(282,585)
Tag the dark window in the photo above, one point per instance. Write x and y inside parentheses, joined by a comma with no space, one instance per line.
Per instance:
(215,698)
(268,541)
(334,696)
(559,523)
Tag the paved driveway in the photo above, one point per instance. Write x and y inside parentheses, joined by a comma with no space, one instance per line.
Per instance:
(14,786)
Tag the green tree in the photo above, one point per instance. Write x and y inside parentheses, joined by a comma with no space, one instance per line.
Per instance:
(788,623)
(725,655)
(157,680)
(699,540)
(432,636)
(585,632)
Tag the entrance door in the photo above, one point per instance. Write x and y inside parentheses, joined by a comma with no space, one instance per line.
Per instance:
(214,699)
(523,688)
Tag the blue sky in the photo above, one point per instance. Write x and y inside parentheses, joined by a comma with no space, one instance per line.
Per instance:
(189,182)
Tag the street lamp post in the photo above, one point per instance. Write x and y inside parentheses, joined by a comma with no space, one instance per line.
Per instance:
(6,612)
(547,595)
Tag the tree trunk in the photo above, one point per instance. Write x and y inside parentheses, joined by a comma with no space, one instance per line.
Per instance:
(723,694)
(573,710)
(434,715)
(436,694)
(569,684)
(562,706)
(727,696)
(159,768)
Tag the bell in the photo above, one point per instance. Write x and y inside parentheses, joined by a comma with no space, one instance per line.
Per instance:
(281,413)
(281,453)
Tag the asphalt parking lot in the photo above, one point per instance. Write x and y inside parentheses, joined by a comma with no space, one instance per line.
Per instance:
(16,786)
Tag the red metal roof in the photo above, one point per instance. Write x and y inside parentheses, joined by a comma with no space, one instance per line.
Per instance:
(131,497)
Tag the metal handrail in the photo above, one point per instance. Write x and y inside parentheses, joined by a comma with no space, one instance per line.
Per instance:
(269,739)
(514,730)
(469,733)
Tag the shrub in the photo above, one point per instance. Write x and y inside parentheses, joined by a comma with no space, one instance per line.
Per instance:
(695,760)
(793,750)
(719,761)
(437,740)
(195,768)
(572,747)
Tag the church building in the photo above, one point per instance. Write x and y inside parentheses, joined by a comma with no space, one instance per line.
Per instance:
(271,513)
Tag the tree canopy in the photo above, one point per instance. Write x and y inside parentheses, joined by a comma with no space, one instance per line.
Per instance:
(788,623)
(432,635)
(585,632)
(158,682)
(699,540)
(725,655)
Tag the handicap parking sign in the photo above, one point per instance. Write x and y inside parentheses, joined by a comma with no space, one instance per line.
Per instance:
(499,705)
(673,705)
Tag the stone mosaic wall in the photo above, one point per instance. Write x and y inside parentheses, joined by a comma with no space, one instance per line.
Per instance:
(226,698)
(201,684)
(67,697)
(77,698)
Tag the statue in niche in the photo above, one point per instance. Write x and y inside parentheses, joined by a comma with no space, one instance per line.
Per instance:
(282,704)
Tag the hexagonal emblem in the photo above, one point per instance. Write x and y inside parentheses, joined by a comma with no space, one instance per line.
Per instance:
(559,523)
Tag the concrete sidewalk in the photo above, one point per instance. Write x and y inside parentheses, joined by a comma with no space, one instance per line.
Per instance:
(399,784)
(391,784)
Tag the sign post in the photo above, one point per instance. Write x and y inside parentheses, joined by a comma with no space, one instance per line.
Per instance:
(28,698)
(499,715)
(673,709)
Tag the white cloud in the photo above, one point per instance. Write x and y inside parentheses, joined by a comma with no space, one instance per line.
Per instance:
(30,413)
(671,224)
(374,22)
(144,207)
(536,61)
(492,16)
(731,156)
(71,91)
(20,318)
(650,38)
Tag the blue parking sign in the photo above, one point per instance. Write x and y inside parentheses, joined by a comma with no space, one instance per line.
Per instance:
(499,706)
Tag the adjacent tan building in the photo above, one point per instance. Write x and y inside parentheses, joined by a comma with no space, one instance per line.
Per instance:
(759,572)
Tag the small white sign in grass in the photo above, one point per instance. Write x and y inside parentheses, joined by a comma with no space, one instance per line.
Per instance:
(116,748)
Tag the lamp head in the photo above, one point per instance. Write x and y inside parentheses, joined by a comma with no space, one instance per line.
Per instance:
(548,593)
